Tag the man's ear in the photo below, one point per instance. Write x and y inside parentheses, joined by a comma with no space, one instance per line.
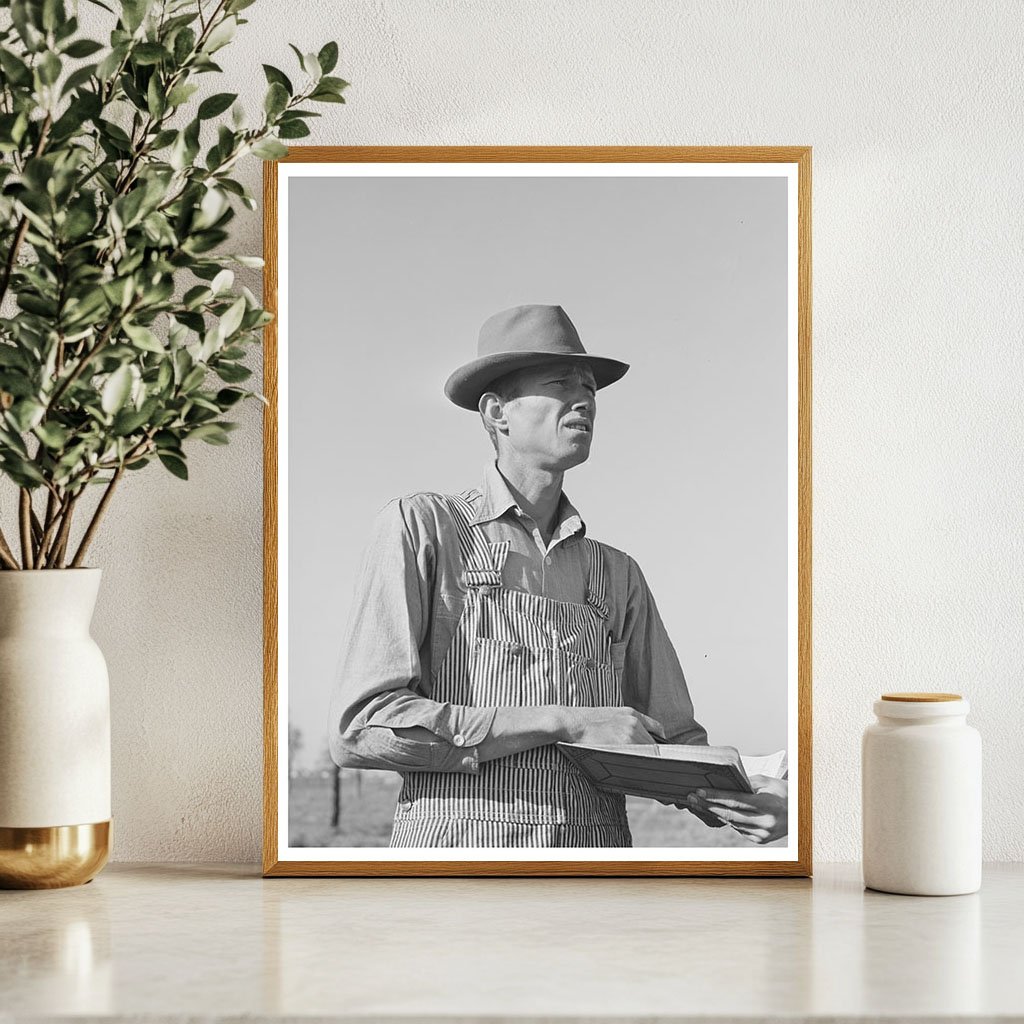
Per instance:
(492,410)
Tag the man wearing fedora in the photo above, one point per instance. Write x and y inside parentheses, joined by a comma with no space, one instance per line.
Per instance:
(488,626)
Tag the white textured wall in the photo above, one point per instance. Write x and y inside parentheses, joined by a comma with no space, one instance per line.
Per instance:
(914,113)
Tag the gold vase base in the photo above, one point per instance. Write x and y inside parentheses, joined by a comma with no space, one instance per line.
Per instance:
(54,857)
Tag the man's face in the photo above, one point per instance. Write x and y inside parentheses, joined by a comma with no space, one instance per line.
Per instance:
(551,420)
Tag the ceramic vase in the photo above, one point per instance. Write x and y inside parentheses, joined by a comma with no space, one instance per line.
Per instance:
(54,731)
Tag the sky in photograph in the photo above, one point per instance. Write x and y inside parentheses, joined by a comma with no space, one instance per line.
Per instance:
(389,280)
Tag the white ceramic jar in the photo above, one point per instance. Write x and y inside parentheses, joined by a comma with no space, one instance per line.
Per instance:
(921,791)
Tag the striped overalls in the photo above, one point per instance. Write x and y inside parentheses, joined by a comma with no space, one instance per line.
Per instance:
(513,649)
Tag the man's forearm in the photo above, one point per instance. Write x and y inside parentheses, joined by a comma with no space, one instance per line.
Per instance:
(523,728)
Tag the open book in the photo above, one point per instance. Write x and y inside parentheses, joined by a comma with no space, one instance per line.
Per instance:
(665,771)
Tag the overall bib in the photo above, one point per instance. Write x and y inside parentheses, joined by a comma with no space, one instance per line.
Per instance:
(513,649)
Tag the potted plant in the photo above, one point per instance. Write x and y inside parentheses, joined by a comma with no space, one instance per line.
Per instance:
(122,338)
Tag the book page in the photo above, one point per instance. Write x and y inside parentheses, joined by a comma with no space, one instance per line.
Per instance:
(773,765)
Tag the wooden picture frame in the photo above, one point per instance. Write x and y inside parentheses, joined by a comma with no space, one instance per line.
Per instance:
(280,859)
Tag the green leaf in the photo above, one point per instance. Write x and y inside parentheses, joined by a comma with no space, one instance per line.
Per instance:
(184,44)
(21,471)
(222,282)
(232,319)
(211,433)
(211,208)
(91,307)
(234,6)
(149,53)
(276,99)
(17,384)
(181,93)
(35,304)
(26,20)
(116,134)
(269,149)
(293,130)
(49,68)
(227,397)
(193,379)
(128,421)
(11,355)
(232,373)
(216,104)
(175,464)
(129,207)
(53,435)
(66,30)
(133,13)
(162,139)
(26,413)
(196,296)
(221,35)
(116,390)
(144,338)
(328,57)
(335,84)
(277,77)
(78,222)
(212,341)
(14,68)
(11,440)
(164,375)
(156,98)
(193,321)
(311,66)
(109,65)
(326,96)
(83,48)
(256,262)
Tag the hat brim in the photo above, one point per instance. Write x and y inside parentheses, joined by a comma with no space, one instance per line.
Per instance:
(465,386)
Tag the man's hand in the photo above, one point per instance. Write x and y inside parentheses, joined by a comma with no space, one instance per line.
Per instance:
(761,816)
(610,727)
(706,816)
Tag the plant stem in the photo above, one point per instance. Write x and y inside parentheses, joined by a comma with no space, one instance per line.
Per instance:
(6,555)
(87,356)
(37,529)
(19,234)
(97,516)
(61,543)
(51,508)
(19,237)
(52,525)
(25,521)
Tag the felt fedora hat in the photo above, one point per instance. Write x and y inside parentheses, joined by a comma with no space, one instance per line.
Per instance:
(525,336)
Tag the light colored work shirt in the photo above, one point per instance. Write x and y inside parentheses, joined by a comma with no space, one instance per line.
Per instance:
(409,597)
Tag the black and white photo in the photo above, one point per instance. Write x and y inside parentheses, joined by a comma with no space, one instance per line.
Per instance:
(538,481)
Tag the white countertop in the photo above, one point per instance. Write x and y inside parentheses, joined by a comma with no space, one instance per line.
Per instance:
(172,941)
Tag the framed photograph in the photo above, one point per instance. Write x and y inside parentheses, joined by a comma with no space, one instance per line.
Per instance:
(537,526)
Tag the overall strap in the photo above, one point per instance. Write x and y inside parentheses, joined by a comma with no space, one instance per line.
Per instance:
(482,562)
(597,587)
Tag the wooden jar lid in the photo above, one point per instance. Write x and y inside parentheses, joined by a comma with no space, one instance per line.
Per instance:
(920,698)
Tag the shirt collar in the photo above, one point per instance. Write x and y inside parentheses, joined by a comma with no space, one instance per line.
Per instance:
(496,499)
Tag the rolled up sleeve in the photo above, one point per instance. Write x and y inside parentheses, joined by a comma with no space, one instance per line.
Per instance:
(380,686)
(653,680)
